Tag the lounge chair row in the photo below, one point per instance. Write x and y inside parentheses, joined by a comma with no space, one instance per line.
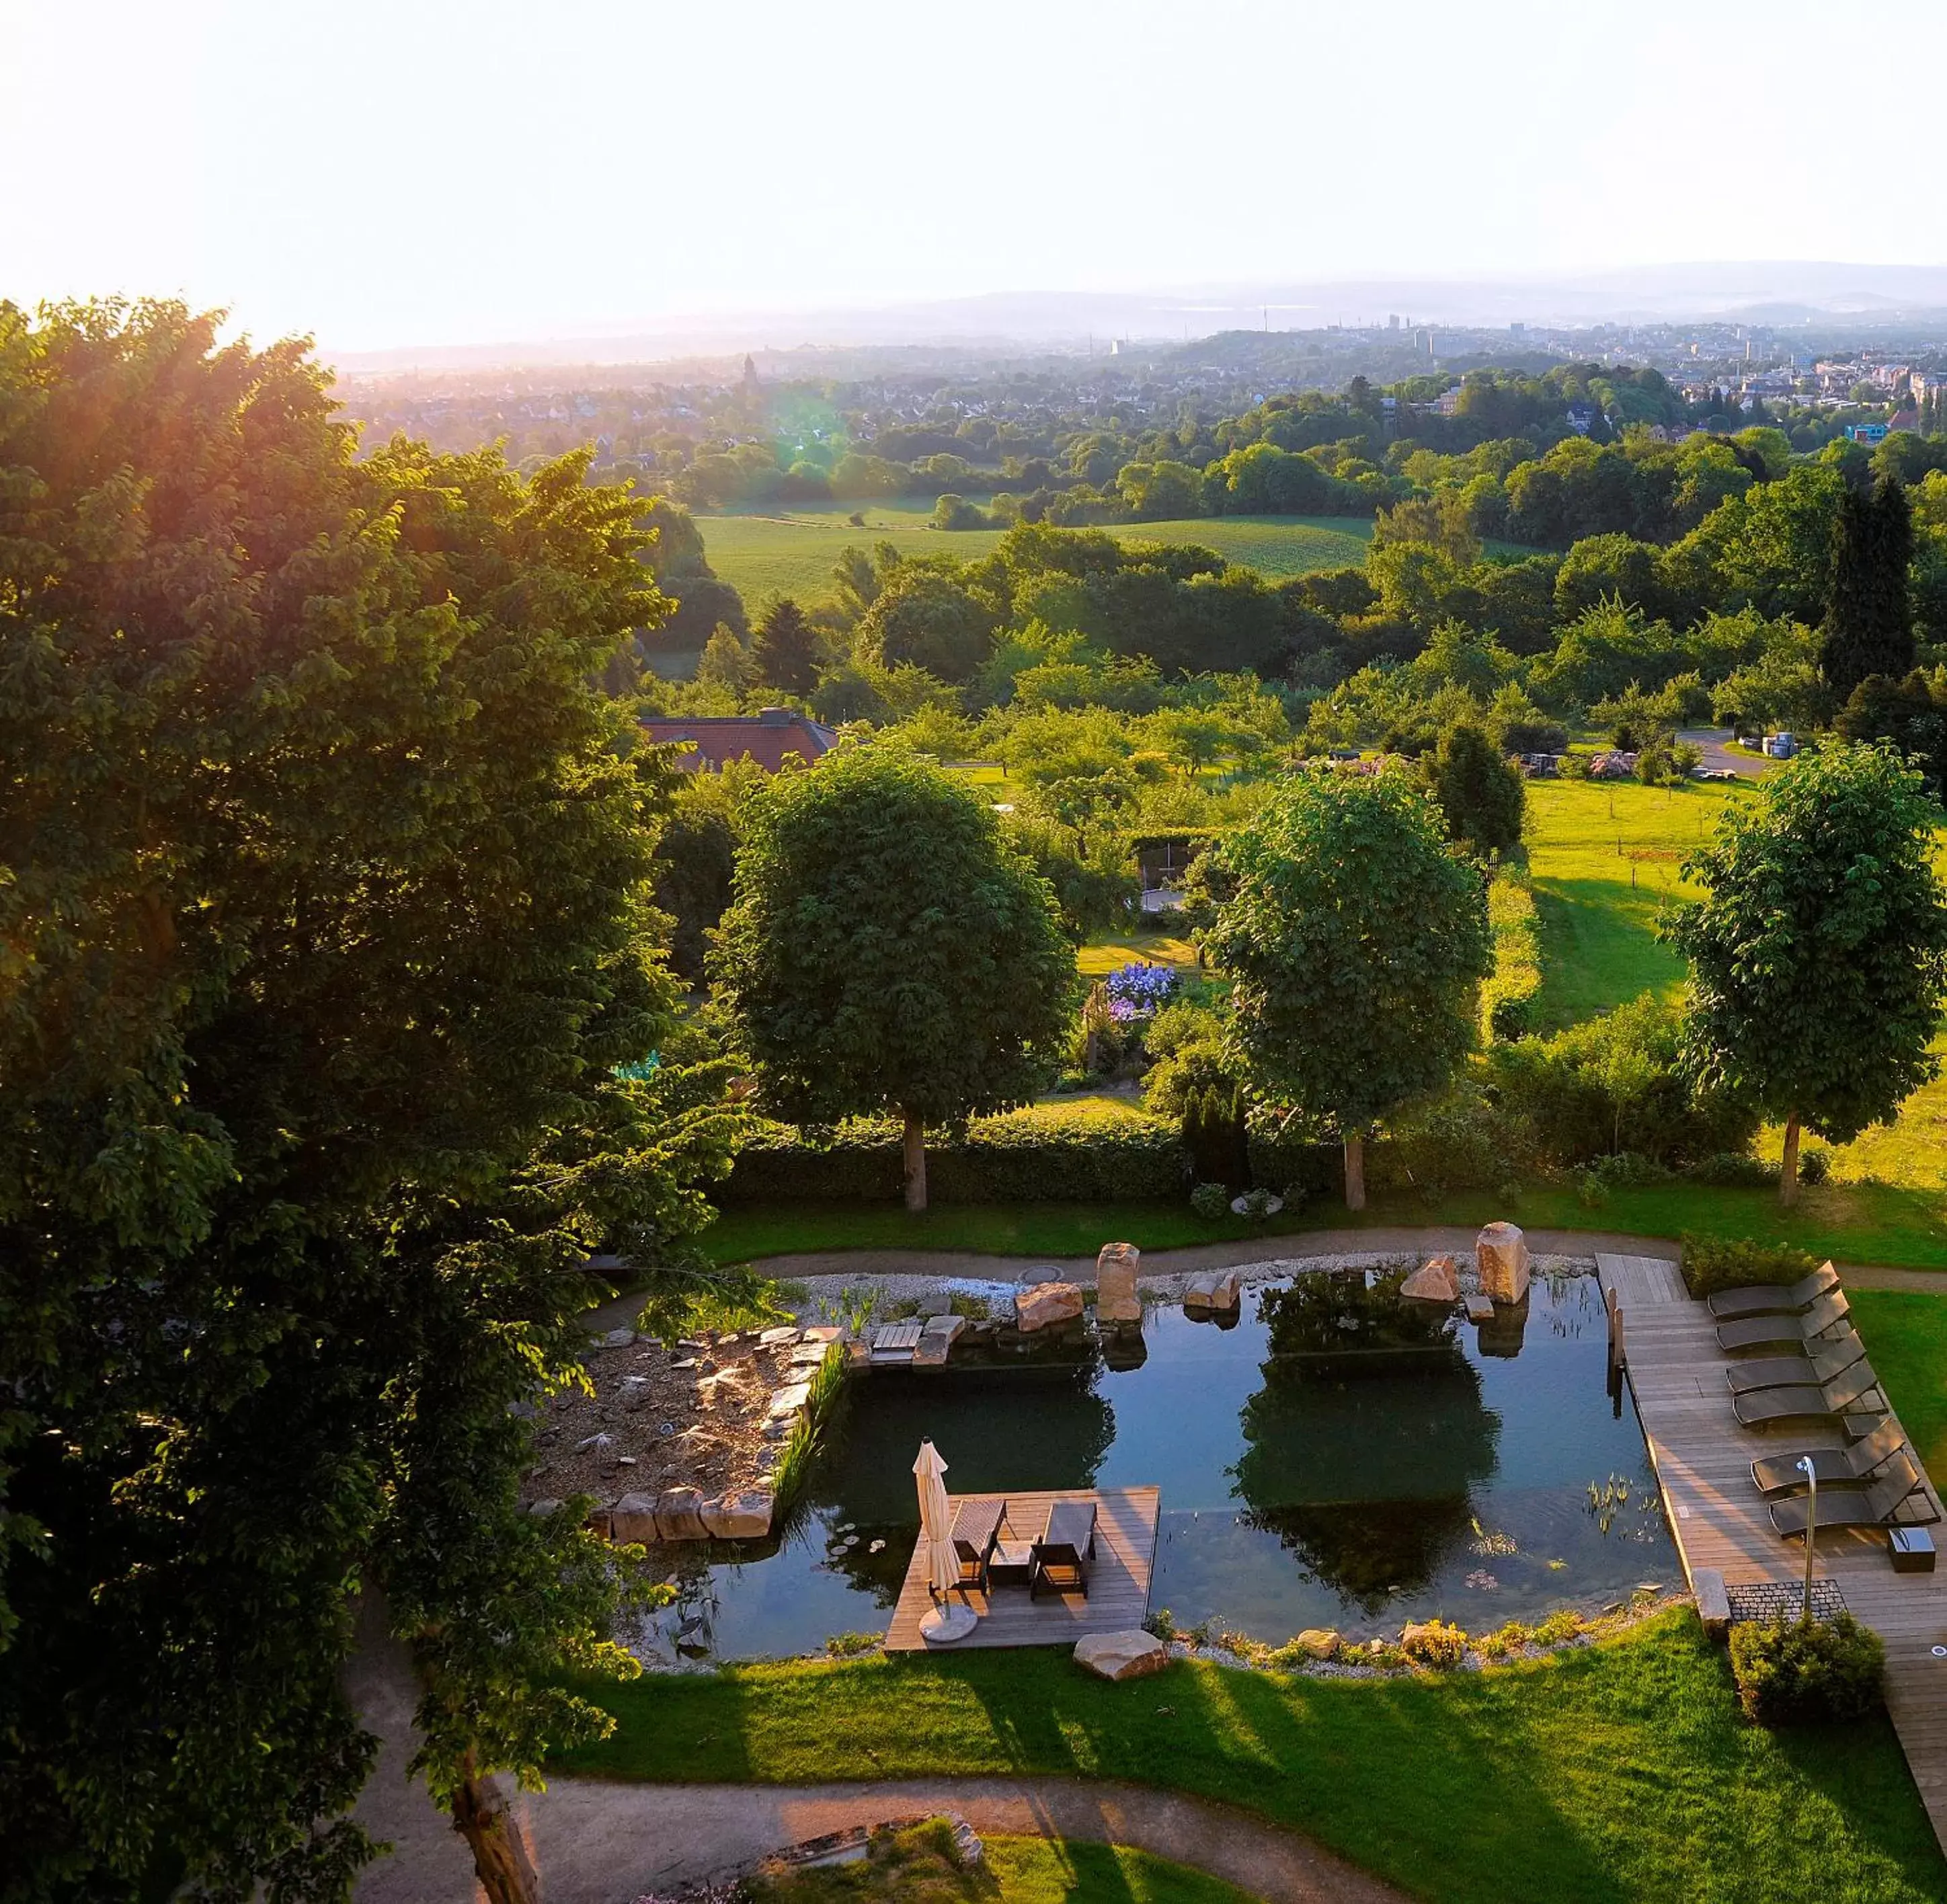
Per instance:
(1825,1378)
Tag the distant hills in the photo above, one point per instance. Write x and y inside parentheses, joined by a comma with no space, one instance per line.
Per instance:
(1774,294)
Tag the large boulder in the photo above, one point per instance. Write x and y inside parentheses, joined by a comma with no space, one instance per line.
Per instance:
(1116,1270)
(1500,1254)
(631,1521)
(1321,1642)
(745,1516)
(1216,1291)
(1129,1655)
(1040,1305)
(679,1515)
(1435,1280)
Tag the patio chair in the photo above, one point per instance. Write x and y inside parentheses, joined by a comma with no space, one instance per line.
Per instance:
(1786,1332)
(1773,1299)
(1012,1564)
(977,1527)
(1779,1475)
(1781,1371)
(1066,1551)
(1822,1402)
(1880,1504)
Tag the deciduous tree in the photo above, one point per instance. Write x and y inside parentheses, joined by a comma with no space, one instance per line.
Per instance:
(889,950)
(1355,938)
(1818,954)
(322,942)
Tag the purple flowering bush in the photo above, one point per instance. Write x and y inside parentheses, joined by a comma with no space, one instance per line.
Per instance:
(1139,991)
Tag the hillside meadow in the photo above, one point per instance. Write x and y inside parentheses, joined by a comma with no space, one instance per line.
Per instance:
(793,553)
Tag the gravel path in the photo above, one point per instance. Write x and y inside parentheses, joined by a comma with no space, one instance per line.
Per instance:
(606,1843)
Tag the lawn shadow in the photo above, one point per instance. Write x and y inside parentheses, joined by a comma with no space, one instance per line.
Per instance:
(1598,947)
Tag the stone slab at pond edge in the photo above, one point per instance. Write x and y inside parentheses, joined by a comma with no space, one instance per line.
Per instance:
(1129,1655)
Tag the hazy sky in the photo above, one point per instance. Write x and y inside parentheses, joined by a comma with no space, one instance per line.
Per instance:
(418,171)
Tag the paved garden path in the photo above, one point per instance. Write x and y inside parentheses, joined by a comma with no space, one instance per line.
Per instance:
(1273,1246)
(606,1843)
(594,1842)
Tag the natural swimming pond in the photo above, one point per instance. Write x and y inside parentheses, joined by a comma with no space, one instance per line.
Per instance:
(1338,1457)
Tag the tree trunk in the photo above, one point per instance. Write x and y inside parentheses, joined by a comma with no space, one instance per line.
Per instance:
(915,1159)
(499,1857)
(1788,1175)
(1355,1170)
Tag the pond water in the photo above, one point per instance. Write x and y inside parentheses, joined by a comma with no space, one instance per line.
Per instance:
(1336,1458)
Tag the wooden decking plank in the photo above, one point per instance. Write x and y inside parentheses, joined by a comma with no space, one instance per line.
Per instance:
(1702,1456)
(1119,1588)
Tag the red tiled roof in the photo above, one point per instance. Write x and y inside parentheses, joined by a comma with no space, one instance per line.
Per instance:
(765,738)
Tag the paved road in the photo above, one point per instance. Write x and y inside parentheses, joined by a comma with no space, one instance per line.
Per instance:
(1710,742)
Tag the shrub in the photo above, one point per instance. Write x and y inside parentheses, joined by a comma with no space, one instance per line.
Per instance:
(1795,1671)
(1613,1084)
(1211,1201)
(1559,1628)
(1161,1625)
(1139,990)
(1434,1644)
(1731,1169)
(1509,1016)
(1714,1263)
(1257,1204)
(1814,1165)
(1051,1154)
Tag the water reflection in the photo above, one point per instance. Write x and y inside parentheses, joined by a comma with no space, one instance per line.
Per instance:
(1339,1458)
(1363,1445)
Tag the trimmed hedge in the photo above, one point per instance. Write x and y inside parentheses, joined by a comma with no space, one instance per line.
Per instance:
(1714,1263)
(1024,1157)
(1797,1672)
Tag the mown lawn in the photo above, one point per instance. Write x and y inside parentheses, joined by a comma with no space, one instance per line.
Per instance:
(1604,860)
(1617,1773)
(918,1867)
(1905,1332)
(1859,1223)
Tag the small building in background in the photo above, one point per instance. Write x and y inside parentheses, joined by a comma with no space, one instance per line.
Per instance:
(715,740)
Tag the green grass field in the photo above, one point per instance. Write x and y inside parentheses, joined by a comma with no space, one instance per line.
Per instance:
(1617,1773)
(1857,1223)
(1603,860)
(792,554)
(1905,1331)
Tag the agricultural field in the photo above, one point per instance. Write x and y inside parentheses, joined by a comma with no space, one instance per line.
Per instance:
(792,554)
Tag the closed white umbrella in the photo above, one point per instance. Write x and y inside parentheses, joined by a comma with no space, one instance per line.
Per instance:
(935,1520)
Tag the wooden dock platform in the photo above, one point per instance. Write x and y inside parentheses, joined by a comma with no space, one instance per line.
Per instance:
(1119,1589)
(1703,1455)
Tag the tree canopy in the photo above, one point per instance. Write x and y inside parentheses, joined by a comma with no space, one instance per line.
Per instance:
(323,906)
(1356,940)
(888,949)
(1818,954)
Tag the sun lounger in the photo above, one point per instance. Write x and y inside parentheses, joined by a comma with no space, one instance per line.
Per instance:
(1781,1371)
(1786,1332)
(1807,1401)
(1777,1474)
(977,1527)
(1773,1299)
(1064,1555)
(1880,1505)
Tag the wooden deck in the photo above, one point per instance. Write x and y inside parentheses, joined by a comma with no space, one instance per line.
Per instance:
(1119,1589)
(1702,1455)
